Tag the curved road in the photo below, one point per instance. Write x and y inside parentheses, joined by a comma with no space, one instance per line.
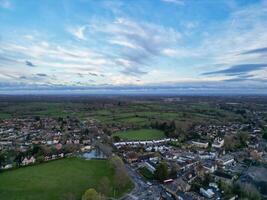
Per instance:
(142,190)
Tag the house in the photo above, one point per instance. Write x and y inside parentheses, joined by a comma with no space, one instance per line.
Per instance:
(209,166)
(225,160)
(27,161)
(132,157)
(218,143)
(182,185)
(86,148)
(8,166)
(190,175)
(200,144)
(207,193)
(222,176)
(47,158)
(150,167)
(177,185)
(184,196)
(205,156)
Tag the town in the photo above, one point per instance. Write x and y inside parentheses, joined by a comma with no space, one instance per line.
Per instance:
(207,159)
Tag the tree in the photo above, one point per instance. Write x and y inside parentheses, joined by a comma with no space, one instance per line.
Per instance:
(264,134)
(255,155)
(18,158)
(104,186)
(68,196)
(92,194)
(37,118)
(2,159)
(121,176)
(161,172)
(229,143)
(243,138)
(116,138)
(174,170)
(247,190)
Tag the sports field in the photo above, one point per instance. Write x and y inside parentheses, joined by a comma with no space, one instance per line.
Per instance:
(63,179)
(142,134)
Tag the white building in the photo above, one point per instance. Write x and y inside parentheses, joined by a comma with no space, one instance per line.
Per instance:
(200,144)
(226,160)
(218,143)
(150,167)
(27,161)
(207,193)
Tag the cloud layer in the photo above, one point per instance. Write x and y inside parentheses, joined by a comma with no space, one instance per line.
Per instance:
(106,44)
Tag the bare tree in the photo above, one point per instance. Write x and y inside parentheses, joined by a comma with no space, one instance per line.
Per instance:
(104,186)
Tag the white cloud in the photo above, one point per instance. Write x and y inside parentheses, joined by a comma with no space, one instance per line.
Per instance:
(244,30)
(78,32)
(50,58)
(140,42)
(124,43)
(179,53)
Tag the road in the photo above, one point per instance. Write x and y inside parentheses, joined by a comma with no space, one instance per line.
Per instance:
(142,190)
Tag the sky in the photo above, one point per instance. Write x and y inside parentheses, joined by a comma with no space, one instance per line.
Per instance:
(128,46)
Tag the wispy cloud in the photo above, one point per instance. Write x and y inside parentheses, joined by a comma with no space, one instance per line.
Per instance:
(6,4)
(256,51)
(78,32)
(238,69)
(30,64)
(139,42)
(41,74)
(125,43)
(176,2)
(234,44)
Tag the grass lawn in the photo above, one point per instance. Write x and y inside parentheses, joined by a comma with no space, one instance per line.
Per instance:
(56,180)
(146,173)
(142,134)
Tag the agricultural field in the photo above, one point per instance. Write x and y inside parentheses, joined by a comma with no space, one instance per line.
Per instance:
(142,134)
(130,113)
(62,179)
(41,109)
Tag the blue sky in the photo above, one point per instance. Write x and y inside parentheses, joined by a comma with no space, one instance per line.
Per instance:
(137,45)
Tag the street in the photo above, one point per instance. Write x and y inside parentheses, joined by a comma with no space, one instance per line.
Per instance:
(142,190)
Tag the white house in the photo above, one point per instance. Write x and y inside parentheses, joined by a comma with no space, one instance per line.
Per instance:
(27,161)
(150,167)
(218,143)
(210,167)
(200,144)
(207,193)
(8,166)
(226,160)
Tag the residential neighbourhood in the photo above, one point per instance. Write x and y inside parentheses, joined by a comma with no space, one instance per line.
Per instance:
(210,163)
(133,99)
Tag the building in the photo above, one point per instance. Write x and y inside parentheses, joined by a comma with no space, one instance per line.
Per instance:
(209,166)
(218,143)
(222,176)
(200,144)
(177,185)
(27,161)
(151,168)
(207,193)
(225,160)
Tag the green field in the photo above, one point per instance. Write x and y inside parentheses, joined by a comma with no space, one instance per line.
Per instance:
(142,134)
(146,173)
(56,180)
